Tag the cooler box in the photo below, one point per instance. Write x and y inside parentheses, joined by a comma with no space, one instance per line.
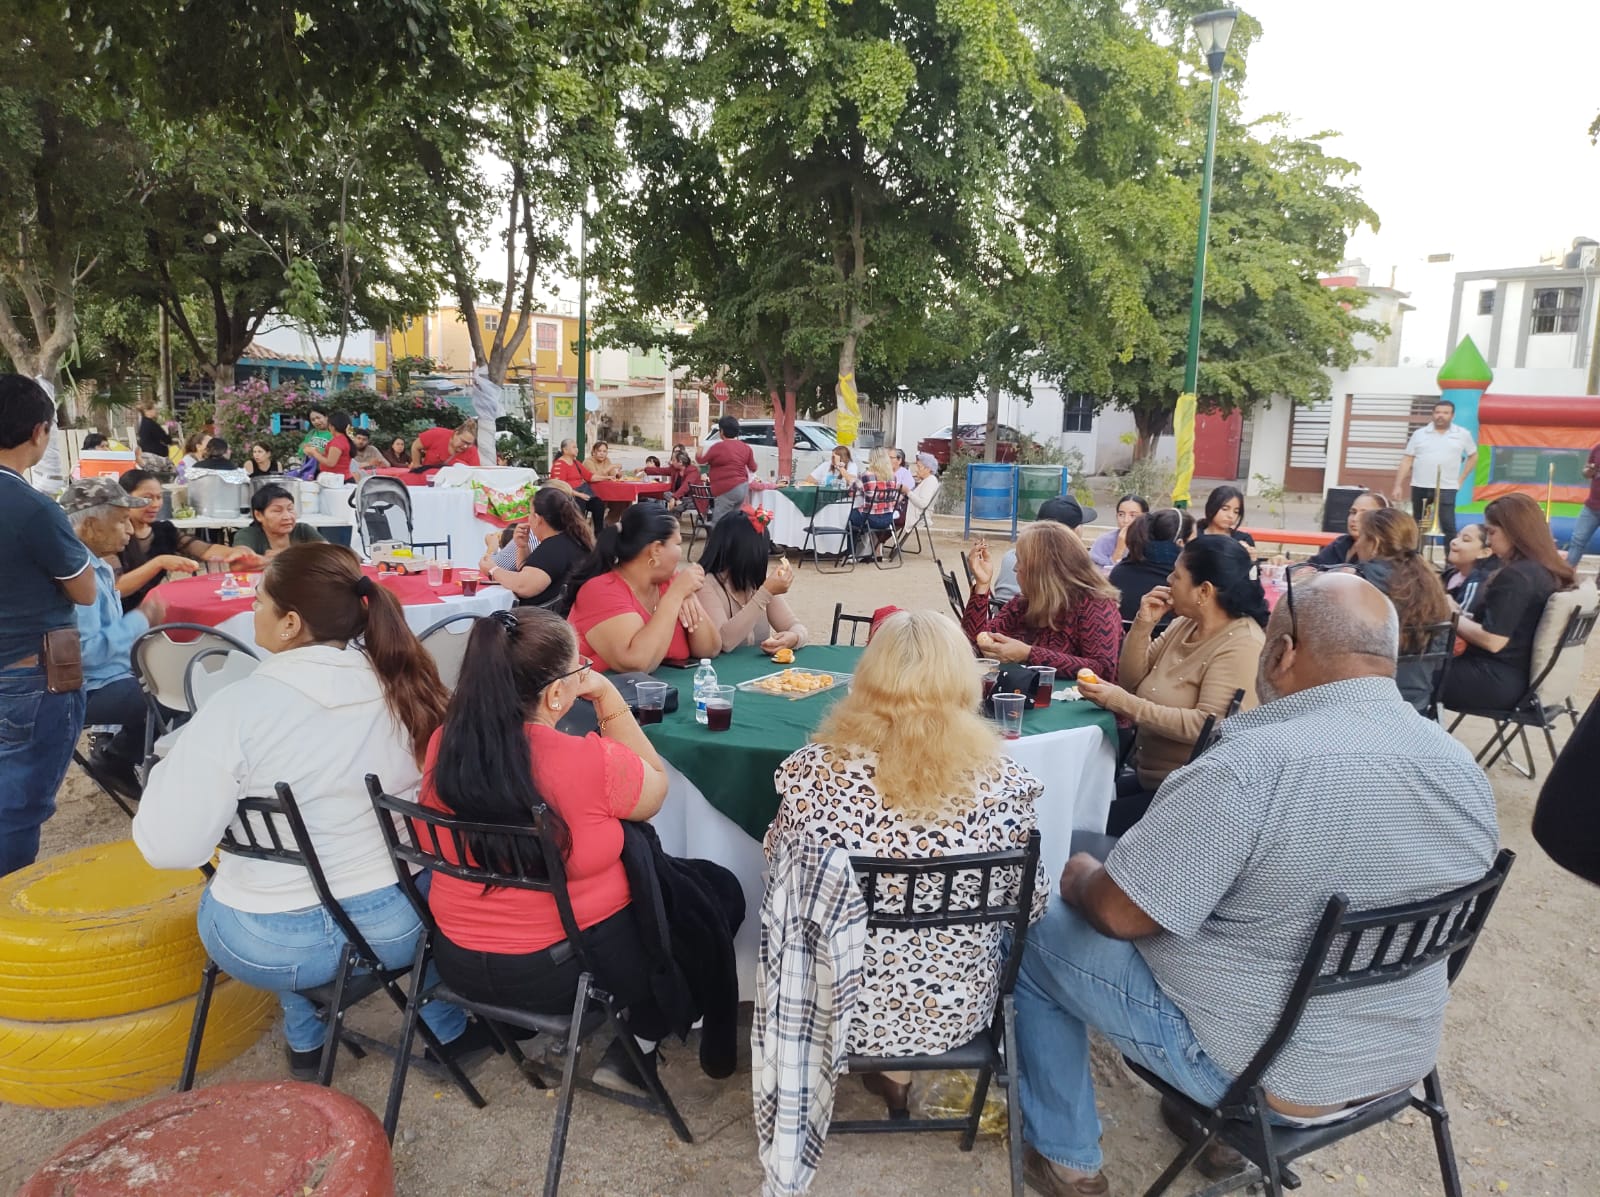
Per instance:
(95,462)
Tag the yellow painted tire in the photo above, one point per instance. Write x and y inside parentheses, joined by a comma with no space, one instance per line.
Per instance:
(96,933)
(60,1064)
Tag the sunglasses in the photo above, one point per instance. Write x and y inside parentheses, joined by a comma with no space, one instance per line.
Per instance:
(1288,587)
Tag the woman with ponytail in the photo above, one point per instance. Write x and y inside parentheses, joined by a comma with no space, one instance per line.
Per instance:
(345,690)
(498,758)
(1192,670)
(634,607)
(546,549)
(1386,555)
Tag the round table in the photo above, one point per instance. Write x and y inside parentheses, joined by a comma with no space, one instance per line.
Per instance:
(792,508)
(628,490)
(721,795)
(195,600)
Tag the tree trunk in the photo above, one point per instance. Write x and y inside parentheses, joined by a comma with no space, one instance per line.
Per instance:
(1150,422)
(992,420)
(783,416)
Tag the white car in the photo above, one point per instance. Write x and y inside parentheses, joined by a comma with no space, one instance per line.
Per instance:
(813,443)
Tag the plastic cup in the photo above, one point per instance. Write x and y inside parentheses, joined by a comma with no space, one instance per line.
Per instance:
(1008,714)
(447,573)
(1047,685)
(989,671)
(719,708)
(435,573)
(469,582)
(650,702)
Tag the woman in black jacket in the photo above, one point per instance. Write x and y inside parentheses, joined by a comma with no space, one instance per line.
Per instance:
(1154,542)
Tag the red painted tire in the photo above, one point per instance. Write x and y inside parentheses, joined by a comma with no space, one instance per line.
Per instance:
(246,1139)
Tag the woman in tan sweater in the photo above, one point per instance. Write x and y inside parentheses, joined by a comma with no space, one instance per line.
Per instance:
(1208,652)
(741,597)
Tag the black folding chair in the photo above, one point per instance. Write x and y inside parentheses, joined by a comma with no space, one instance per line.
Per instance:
(1348,951)
(1530,710)
(1211,729)
(699,512)
(842,559)
(931,897)
(856,622)
(952,591)
(894,545)
(536,865)
(257,834)
(1435,642)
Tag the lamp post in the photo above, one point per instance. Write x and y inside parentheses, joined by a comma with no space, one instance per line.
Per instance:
(582,399)
(1213,29)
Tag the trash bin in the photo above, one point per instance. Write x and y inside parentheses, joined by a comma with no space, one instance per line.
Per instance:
(1035,484)
(991,489)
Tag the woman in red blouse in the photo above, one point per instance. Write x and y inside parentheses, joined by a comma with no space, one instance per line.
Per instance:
(567,468)
(1066,615)
(497,758)
(634,609)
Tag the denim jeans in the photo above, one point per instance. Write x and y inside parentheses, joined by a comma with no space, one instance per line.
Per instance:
(37,733)
(122,704)
(1583,530)
(299,949)
(1074,978)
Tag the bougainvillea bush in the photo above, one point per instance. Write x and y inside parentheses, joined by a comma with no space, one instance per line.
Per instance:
(243,414)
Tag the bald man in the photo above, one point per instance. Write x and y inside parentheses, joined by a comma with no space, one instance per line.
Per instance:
(1182,947)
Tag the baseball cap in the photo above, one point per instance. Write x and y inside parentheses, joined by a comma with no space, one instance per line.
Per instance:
(928,462)
(1064,509)
(103,491)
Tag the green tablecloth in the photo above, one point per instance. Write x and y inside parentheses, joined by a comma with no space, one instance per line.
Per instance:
(734,769)
(803,497)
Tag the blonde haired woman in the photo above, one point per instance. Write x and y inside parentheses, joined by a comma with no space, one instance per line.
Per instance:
(904,766)
(1066,613)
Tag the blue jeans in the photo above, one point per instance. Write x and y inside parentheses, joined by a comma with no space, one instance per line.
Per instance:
(1074,978)
(37,733)
(299,949)
(1583,530)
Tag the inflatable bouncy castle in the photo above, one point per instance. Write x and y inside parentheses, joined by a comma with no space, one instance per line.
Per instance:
(1533,444)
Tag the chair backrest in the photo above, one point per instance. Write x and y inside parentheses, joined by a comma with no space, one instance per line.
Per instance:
(1569,617)
(952,591)
(1435,651)
(700,495)
(966,567)
(1208,732)
(1234,704)
(919,511)
(213,669)
(420,837)
(375,497)
(933,894)
(446,643)
(828,496)
(162,662)
(257,833)
(1353,950)
(856,622)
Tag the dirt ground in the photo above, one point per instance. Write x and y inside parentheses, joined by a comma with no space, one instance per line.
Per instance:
(1520,1064)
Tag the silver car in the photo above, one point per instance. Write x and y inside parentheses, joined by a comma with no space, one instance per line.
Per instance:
(813,443)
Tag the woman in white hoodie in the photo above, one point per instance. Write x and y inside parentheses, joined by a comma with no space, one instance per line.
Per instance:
(320,713)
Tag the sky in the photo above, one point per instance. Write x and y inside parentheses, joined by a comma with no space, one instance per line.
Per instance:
(1469,121)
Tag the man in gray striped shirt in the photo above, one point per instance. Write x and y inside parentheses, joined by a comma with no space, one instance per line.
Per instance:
(1182,947)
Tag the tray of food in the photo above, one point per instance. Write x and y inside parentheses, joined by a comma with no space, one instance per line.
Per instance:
(795,683)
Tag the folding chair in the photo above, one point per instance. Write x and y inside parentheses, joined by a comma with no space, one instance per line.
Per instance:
(162,665)
(537,866)
(917,522)
(1348,951)
(1211,729)
(934,897)
(699,512)
(952,591)
(1436,640)
(843,560)
(896,541)
(446,643)
(257,835)
(856,622)
(1549,694)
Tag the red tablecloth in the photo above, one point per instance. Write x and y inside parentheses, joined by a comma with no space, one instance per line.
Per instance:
(195,600)
(626,491)
(405,475)
(1280,536)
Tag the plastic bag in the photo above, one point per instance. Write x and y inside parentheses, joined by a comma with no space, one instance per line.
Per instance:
(949,1095)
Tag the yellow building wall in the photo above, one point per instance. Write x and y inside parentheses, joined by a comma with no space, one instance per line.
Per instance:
(451,348)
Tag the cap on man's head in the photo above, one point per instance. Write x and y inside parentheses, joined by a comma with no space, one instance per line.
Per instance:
(928,462)
(1064,509)
(102,491)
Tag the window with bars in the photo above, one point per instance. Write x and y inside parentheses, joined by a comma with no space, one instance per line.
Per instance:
(546,334)
(1556,309)
(1486,302)
(1077,412)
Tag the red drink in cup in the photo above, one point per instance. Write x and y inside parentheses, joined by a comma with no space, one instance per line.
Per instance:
(469,583)
(646,715)
(449,573)
(719,708)
(1047,685)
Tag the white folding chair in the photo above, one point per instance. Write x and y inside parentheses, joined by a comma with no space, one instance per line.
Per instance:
(162,665)
(446,642)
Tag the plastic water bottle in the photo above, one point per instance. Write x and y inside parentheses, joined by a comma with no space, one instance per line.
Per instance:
(230,586)
(704,678)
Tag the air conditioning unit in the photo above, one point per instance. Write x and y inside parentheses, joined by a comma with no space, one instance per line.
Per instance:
(1587,256)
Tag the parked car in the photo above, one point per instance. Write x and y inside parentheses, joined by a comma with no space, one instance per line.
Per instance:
(813,443)
(1007,439)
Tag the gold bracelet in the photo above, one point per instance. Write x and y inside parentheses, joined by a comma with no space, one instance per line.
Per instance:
(614,715)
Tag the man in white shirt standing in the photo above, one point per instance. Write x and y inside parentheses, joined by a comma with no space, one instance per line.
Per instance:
(1439,456)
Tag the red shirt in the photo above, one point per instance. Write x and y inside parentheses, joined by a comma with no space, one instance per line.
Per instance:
(340,444)
(728,464)
(608,596)
(573,473)
(436,449)
(593,783)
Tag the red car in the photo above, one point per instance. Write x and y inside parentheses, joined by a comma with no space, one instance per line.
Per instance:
(971,442)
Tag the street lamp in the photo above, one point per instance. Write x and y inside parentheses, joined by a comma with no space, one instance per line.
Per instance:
(1213,29)
(581,402)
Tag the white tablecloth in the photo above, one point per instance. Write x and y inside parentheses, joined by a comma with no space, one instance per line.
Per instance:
(789,523)
(1076,766)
